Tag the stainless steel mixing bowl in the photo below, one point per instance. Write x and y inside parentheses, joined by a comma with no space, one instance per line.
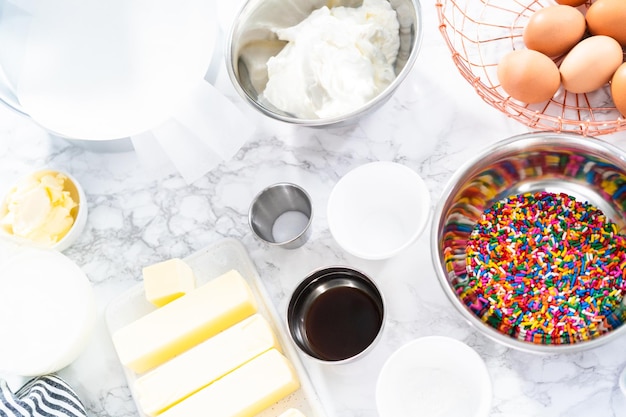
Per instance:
(587,169)
(252,41)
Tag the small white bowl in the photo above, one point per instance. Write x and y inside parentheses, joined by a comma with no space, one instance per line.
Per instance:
(378,209)
(79,213)
(434,375)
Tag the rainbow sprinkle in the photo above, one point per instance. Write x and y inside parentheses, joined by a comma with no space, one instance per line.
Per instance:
(545,268)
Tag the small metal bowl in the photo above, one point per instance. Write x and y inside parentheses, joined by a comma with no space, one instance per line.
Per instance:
(251,42)
(336,314)
(585,168)
(281,215)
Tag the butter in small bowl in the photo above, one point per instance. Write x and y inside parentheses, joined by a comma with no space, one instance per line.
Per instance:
(45,209)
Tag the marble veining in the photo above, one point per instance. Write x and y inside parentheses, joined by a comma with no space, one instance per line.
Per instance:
(433,124)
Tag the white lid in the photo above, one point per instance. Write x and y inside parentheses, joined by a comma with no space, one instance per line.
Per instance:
(47,312)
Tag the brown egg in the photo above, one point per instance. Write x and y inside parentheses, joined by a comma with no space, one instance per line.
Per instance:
(590,64)
(608,17)
(574,3)
(554,30)
(528,76)
(618,89)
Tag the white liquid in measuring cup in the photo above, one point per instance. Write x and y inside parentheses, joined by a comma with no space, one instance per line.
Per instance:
(289,225)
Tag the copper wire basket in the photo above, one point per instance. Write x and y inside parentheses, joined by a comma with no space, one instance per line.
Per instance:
(480,32)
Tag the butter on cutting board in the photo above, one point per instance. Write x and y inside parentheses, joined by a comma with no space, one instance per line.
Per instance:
(168,280)
(196,368)
(244,392)
(176,327)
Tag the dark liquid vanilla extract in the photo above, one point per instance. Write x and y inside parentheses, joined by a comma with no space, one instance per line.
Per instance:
(342,322)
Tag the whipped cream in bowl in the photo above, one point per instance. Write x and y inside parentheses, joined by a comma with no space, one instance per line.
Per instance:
(319,62)
(335,61)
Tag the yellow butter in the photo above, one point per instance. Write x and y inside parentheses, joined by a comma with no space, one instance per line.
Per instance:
(168,280)
(244,392)
(39,208)
(292,412)
(176,327)
(196,368)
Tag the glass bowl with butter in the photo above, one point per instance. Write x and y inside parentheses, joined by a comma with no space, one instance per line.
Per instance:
(317,63)
(44,209)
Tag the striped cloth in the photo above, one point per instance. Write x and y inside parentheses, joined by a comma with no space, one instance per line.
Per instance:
(43,396)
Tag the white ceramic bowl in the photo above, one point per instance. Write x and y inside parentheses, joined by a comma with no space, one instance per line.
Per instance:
(378,209)
(434,376)
(79,213)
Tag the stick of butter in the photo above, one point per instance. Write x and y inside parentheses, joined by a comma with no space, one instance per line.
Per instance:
(168,280)
(176,327)
(196,368)
(244,392)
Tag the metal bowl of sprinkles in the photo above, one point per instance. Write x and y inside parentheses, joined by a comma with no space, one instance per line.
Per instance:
(529,245)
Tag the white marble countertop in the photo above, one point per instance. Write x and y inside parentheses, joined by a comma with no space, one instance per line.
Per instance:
(432,124)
